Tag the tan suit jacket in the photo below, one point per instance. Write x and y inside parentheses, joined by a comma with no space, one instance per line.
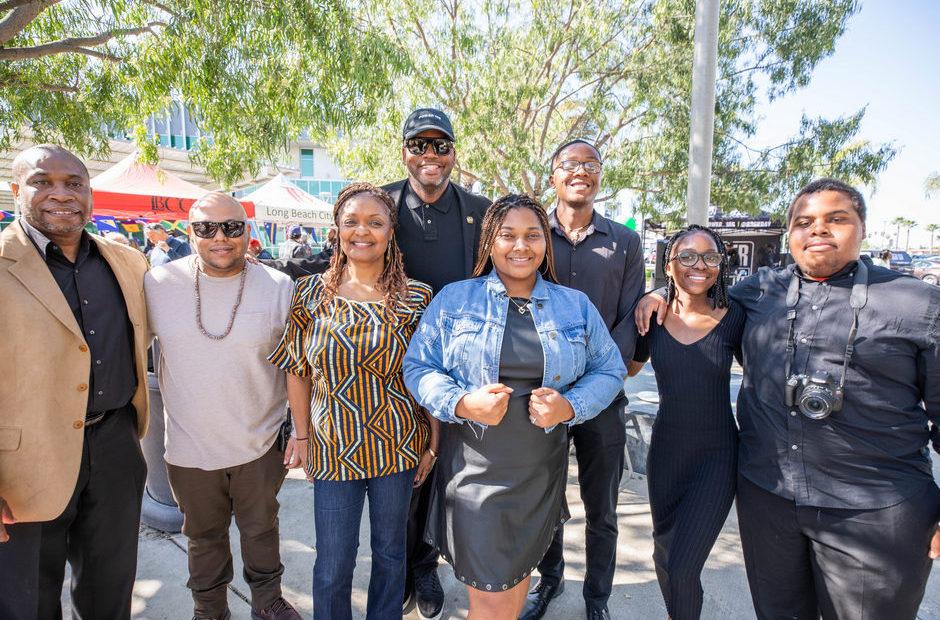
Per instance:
(44,368)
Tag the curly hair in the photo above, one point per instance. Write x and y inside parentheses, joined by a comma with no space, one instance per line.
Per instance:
(718,293)
(392,281)
(494,218)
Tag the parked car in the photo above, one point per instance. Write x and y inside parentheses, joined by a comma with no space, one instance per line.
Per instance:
(900,260)
(927,270)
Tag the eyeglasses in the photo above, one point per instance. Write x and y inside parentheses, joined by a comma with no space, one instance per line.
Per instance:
(572,165)
(230,228)
(688,258)
(417,146)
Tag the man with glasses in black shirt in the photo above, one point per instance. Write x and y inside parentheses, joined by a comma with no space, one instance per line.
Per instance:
(604,260)
(837,506)
(438,234)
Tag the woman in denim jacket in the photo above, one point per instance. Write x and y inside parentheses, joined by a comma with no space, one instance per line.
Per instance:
(509,360)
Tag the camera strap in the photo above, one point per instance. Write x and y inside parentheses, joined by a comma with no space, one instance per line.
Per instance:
(857,300)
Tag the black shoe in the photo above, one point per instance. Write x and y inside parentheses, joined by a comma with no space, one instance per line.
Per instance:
(536,602)
(594,613)
(429,595)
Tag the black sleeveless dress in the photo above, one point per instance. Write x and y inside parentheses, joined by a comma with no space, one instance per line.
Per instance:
(692,461)
(497,498)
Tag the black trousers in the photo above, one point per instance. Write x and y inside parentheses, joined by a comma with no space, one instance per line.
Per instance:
(422,557)
(97,535)
(599,445)
(803,562)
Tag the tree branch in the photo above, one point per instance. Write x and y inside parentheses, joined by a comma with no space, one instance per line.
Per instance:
(21,16)
(75,44)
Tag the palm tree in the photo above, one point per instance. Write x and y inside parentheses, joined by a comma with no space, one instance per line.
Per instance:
(932,229)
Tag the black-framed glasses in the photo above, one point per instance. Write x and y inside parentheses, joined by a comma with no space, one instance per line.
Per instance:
(417,146)
(572,165)
(688,258)
(230,228)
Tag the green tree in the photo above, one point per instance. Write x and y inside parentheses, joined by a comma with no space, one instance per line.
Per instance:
(257,73)
(932,229)
(907,224)
(932,184)
(522,76)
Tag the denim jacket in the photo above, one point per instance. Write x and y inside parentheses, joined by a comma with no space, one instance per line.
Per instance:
(456,347)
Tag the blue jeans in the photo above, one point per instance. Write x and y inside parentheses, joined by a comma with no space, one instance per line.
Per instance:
(337,513)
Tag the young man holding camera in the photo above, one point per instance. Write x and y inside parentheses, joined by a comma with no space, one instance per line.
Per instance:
(837,505)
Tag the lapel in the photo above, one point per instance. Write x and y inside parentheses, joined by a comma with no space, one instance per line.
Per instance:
(129,281)
(33,273)
(469,224)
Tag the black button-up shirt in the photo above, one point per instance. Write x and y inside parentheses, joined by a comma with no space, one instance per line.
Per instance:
(873,453)
(606,265)
(96,301)
(430,237)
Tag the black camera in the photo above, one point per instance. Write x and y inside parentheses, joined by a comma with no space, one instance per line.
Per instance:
(816,396)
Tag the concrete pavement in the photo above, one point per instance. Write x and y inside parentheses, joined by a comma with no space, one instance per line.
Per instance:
(161,593)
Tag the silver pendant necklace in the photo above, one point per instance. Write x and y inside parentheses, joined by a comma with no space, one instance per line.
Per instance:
(521,308)
(238,302)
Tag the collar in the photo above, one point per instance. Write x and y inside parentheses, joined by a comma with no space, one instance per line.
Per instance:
(496,286)
(846,272)
(40,240)
(413,201)
(598,224)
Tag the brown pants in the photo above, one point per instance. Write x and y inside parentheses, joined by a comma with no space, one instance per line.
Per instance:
(207,500)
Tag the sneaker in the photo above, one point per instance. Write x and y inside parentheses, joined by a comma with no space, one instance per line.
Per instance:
(429,596)
(226,616)
(409,603)
(278,610)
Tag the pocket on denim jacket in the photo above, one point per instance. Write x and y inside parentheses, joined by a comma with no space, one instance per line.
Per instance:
(463,335)
(576,342)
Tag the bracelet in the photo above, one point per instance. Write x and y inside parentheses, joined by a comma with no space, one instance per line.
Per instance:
(301,438)
(433,453)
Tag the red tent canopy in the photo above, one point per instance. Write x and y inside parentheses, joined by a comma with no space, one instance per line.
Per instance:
(132,190)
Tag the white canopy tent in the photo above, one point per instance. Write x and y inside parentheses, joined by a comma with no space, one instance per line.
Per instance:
(281,202)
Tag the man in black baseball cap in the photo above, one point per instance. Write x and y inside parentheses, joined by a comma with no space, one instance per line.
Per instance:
(438,234)
(425,119)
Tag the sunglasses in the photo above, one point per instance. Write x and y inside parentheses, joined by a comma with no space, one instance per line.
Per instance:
(230,228)
(417,146)
(688,258)
(571,165)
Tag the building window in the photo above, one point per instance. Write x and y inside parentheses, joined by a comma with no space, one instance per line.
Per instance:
(306,162)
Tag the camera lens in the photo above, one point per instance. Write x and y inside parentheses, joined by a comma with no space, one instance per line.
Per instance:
(815,407)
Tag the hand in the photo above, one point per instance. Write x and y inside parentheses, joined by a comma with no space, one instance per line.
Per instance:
(486,405)
(6,517)
(163,245)
(648,304)
(295,455)
(547,408)
(935,545)
(634,367)
(425,465)
(251,258)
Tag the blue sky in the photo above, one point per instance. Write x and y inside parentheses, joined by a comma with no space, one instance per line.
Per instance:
(889,60)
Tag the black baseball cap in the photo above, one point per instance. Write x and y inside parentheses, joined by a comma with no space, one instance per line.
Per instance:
(424,119)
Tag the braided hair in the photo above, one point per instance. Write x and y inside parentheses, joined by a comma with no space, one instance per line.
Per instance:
(718,293)
(493,220)
(392,281)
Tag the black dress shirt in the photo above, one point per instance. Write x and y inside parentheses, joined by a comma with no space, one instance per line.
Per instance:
(430,237)
(607,266)
(873,453)
(97,302)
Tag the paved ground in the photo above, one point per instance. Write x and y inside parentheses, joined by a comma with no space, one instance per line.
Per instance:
(161,593)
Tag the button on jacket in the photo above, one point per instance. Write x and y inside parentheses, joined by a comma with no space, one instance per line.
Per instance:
(456,347)
(873,453)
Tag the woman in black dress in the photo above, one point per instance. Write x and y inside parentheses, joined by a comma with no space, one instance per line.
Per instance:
(692,460)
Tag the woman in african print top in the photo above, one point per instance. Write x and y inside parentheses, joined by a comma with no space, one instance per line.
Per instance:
(346,336)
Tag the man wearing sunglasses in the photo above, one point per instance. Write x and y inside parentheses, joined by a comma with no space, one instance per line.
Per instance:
(438,234)
(604,260)
(216,318)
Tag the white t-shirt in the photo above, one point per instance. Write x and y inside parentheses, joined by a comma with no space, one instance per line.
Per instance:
(223,400)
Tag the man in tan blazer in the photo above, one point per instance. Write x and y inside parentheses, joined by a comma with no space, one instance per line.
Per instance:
(73,399)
